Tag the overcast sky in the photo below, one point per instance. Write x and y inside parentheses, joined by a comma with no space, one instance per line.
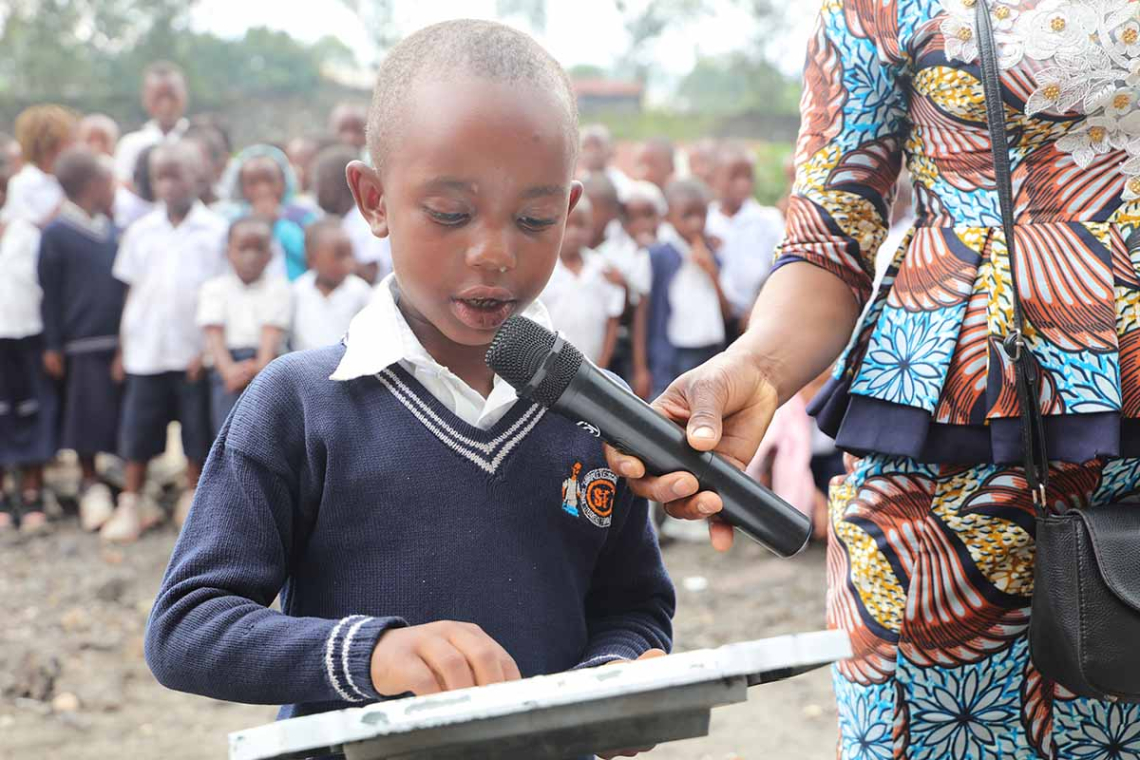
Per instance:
(577,31)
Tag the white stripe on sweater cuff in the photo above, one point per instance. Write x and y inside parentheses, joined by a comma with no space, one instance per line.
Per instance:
(348,655)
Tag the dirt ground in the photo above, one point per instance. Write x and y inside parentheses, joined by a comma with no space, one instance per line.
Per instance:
(73,683)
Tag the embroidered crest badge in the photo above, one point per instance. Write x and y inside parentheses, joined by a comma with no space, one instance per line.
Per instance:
(591,495)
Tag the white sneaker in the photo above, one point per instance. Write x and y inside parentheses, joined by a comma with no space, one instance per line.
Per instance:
(182,508)
(124,527)
(95,507)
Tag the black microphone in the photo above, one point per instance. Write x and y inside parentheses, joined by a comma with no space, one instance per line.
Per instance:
(545,368)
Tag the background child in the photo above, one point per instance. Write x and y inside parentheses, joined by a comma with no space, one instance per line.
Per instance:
(164,259)
(605,207)
(583,304)
(371,497)
(748,232)
(82,306)
(626,250)
(686,306)
(653,161)
(28,402)
(244,313)
(597,154)
(164,97)
(346,123)
(99,133)
(373,255)
(329,295)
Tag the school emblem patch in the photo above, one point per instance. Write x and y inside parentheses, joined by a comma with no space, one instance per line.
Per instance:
(592,495)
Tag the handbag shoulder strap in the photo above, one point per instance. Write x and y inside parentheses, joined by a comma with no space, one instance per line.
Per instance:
(1025,368)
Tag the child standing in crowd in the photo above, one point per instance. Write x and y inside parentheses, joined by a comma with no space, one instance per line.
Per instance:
(653,161)
(597,154)
(626,250)
(164,259)
(347,123)
(687,308)
(99,133)
(260,181)
(369,482)
(373,255)
(329,295)
(748,232)
(245,314)
(28,402)
(583,304)
(82,306)
(605,205)
(164,98)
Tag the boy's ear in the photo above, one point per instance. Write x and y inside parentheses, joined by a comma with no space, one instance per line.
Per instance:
(368,191)
(576,190)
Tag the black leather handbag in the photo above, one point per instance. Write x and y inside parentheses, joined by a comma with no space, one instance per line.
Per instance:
(1084,631)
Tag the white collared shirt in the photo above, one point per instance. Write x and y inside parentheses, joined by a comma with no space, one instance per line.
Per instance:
(695,319)
(20,292)
(134,143)
(366,247)
(242,310)
(165,267)
(748,242)
(320,320)
(581,305)
(380,337)
(33,195)
(631,260)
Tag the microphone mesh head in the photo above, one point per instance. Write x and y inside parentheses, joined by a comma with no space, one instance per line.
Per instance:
(519,350)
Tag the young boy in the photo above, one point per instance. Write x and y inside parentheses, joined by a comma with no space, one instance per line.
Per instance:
(653,161)
(329,295)
(373,255)
(164,97)
(626,251)
(245,314)
(28,402)
(605,205)
(687,308)
(99,133)
(584,305)
(81,309)
(404,501)
(164,259)
(597,154)
(749,232)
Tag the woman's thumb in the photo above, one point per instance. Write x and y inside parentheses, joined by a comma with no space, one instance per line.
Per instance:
(707,398)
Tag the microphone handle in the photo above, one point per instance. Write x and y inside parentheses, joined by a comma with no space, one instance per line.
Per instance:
(629,424)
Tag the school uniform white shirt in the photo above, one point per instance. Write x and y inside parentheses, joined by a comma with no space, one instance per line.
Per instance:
(380,337)
(320,320)
(165,267)
(695,318)
(33,195)
(134,143)
(20,292)
(581,305)
(129,207)
(749,239)
(630,260)
(242,310)
(366,247)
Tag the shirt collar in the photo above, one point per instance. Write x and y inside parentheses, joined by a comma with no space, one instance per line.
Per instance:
(97,227)
(194,216)
(180,127)
(379,337)
(666,233)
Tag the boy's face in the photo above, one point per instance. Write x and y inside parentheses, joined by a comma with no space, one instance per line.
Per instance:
(97,139)
(164,98)
(103,190)
(350,129)
(604,212)
(301,153)
(735,181)
(653,164)
(474,198)
(173,180)
(249,251)
(687,215)
(262,184)
(332,257)
(579,227)
(641,221)
(595,154)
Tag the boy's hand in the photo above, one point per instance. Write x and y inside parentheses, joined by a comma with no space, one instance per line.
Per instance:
(633,752)
(238,375)
(435,657)
(613,275)
(53,364)
(194,371)
(704,258)
(118,374)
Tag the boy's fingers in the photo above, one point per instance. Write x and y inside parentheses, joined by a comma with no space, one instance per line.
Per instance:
(720,535)
(510,669)
(484,655)
(419,679)
(700,506)
(624,464)
(447,663)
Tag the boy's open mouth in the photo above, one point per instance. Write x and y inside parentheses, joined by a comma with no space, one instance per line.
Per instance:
(483,308)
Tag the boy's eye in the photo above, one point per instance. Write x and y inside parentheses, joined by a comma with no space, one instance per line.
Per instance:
(448,219)
(535,224)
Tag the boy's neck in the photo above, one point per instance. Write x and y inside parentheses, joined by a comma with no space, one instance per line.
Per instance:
(177,216)
(467,362)
(573,261)
(91,208)
(326,287)
(728,208)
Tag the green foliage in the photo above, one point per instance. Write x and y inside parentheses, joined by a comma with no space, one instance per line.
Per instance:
(771,182)
(646,124)
(735,83)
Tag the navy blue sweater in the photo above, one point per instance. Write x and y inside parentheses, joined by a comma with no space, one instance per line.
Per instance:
(367,505)
(82,302)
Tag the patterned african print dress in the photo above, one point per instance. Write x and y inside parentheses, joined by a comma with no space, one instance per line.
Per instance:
(931,549)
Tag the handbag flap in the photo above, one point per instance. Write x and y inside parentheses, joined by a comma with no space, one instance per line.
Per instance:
(1114,530)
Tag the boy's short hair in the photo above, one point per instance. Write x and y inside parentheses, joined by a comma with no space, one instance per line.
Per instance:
(318,228)
(483,48)
(330,186)
(41,131)
(184,151)
(642,190)
(246,220)
(728,152)
(600,187)
(687,189)
(599,132)
(163,69)
(76,168)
